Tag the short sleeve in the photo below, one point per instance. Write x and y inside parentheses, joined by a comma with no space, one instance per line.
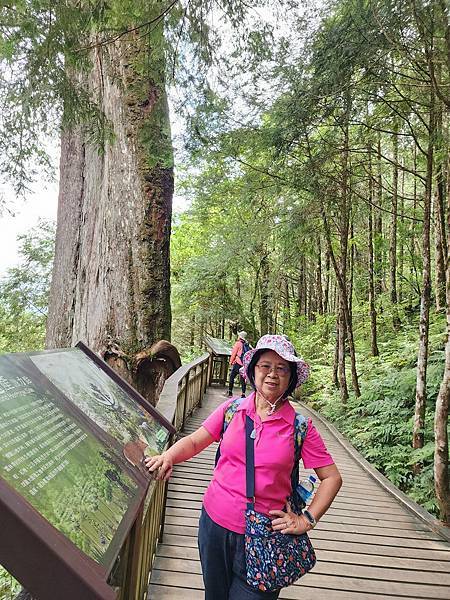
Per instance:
(214,423)
(314,451)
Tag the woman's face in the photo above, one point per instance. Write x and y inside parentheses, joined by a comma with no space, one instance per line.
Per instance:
(272,375)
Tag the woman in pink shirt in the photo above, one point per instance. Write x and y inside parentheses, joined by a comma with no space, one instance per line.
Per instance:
(274,371)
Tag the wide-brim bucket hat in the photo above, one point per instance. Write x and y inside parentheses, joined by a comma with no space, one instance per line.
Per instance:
(283,347)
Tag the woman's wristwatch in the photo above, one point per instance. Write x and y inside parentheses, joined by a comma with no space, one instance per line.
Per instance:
(312,521)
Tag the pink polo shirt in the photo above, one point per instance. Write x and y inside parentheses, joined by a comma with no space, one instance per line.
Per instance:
(225,500)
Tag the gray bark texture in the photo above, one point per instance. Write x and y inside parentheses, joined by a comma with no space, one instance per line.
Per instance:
(111,284)
(441,449)
(424,322)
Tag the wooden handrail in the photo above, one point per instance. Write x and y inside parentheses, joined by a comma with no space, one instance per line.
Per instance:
(182,393)
(169,399)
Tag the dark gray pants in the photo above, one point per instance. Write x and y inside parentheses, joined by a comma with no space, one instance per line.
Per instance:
(235,371)
(222,554)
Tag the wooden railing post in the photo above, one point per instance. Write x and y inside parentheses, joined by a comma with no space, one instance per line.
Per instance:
(186,391)
(201,385)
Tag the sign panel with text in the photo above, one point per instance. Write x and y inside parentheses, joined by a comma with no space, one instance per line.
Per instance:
(72,443)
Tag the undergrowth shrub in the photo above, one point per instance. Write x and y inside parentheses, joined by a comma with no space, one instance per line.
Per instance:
(380,422)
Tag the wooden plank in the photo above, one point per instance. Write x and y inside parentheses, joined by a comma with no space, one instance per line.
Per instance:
(187,565)
(177,492)
(420,571)
(360,518)
(164,592)
(402,534)
(364,549)
(347,512)
(412,545)
(313,581)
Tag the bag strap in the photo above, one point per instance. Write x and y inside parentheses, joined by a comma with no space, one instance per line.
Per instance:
(249,463)
(300,429)
(229,413)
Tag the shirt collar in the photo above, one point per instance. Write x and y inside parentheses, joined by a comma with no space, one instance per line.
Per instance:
(286,412)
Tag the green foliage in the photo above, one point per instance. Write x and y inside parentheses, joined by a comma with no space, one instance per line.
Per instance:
(24,292)
(48,49)
(379,422)
(9,587)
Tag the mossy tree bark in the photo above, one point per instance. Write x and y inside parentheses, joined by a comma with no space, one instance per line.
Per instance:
(111,285)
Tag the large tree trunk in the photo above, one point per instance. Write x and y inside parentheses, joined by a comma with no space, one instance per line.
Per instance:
(111,285)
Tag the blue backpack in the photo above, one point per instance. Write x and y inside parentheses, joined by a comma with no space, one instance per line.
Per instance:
(300,429)
(245,348)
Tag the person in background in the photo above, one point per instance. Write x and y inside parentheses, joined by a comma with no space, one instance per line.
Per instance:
(240,347)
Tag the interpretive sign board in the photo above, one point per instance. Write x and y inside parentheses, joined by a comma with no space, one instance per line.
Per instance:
(72,439)
(220,351)
(218,346)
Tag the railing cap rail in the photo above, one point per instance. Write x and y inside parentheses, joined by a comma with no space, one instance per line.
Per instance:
(168,398)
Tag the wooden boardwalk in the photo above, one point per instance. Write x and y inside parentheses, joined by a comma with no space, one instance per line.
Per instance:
(369,545)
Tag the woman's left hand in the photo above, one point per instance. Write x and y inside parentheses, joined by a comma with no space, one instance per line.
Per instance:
(289,522)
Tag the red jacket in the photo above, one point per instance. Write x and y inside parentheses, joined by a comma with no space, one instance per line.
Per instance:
(236,353)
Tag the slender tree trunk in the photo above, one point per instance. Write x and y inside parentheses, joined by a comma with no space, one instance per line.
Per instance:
(412,236)
(439,255)
(305,287)
(264,295)
(378,238)
(192,332)
(345,321)
(401,245)
(310,306)
(352,271)
(393,231)
(372,308)
(299,297)
(346,198)
(422,359)
(341,352)
(327,283)
(202,334)
(287,306)
(335,378)
(441,452)
(319,287)
(439,217)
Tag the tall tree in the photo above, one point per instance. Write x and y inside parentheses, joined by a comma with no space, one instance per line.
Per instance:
(110,281)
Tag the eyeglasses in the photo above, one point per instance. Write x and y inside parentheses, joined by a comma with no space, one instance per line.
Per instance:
(280,370)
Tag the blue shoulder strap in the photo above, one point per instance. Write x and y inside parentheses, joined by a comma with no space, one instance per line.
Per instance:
(300,429)
(229,413)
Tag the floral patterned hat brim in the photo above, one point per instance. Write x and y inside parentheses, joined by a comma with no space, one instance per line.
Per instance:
(283,348)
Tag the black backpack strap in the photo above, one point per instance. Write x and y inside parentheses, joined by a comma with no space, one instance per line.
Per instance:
(300,429)
(249,463)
